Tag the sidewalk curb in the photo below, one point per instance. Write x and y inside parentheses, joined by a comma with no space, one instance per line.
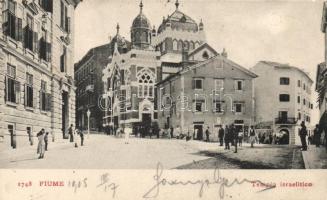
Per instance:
(305,160)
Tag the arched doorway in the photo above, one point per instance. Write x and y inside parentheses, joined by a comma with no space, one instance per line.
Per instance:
(283,137)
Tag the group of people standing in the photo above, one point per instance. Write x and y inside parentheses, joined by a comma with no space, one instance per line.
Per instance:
(77,132)
(43,139)
(230,135)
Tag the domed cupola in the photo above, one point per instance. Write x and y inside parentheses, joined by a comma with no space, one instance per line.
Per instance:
(121,42)
(141,31)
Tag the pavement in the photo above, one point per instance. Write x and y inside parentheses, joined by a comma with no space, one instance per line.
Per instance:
(261,156)
(109,152)
(103,152)
(315,157)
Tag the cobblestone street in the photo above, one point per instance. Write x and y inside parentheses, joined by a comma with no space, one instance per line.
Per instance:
(102,151)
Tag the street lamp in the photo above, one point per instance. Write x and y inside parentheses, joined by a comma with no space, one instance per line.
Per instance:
(88,113)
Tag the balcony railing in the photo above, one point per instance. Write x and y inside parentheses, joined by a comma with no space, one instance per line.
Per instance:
(288,120)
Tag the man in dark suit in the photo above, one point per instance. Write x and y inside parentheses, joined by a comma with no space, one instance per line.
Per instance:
(227,137)
(234,136)
(70,132)
(221,134)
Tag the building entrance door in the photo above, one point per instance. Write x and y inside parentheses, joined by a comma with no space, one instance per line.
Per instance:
(198,131)
(11,130)
(64,114)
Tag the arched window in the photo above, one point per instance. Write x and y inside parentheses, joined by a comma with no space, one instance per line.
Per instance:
(186,45)
(197,44)
(180,45)
(146,80)
(191,45)
(175,45)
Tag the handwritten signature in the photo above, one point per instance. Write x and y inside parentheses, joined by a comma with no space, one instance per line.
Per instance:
(217,179)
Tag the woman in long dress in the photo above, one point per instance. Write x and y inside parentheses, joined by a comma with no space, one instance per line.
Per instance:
(41,144)
(76,137)
(127,133)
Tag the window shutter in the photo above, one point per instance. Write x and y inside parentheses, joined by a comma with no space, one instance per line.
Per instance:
(16,29)
(5,25)
(48,52)
(25,94)
(34,99)
(48,102)
(31,97)
(62,63)
(49,5)
(68,24)
(20,30)
(193,84)
(6,88)
(36,42)
(17,91)
(40,94)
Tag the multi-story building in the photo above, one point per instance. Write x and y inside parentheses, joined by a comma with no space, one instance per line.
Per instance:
(36,69)
(153,56)
(88,79)
(282,98)
(321,78)
(177,35)
(210,93)
(129,78)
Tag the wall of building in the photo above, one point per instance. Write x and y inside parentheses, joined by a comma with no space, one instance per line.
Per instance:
(12,52)
(267,91)
(210,72)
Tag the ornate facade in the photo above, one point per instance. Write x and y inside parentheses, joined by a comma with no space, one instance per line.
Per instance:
(36,69)
(130,77)
(132,73)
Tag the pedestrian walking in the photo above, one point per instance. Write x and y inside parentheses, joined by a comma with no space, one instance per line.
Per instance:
(252,136)
(240,138)
(207,135)
(221,134)
(127,133)
(81,134)
(41,144)
(171,132)
(46,141)
(76,136)
(234,135)
(317,135)
(303,134)
(70,132)
(227,137)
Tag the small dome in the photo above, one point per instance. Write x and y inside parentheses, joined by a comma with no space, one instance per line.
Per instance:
(141,22)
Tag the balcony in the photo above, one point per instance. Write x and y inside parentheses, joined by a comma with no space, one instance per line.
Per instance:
(286,120)
(89,88)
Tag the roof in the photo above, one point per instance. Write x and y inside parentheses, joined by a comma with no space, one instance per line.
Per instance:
(105,48)
(141,21)
(200,64)
(194,51)
(286,66)
(179,20)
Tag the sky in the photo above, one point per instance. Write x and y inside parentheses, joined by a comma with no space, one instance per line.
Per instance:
(250,31)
